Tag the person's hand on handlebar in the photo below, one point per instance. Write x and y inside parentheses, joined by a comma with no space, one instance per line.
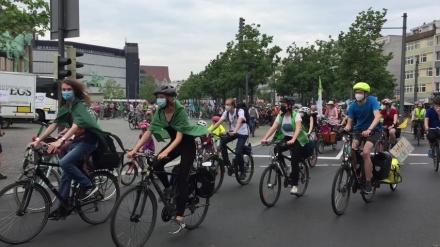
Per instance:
(290,142)
(33,144)
(162,155)
(54,145)
(264,142)
(131,153)
(232,133)
(366,133)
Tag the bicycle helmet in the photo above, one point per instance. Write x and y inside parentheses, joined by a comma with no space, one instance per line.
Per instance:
(304,109)
(386,101)
(201,123)
(216,118)
(167,90)
(144,125)
(362,86)
(288,100)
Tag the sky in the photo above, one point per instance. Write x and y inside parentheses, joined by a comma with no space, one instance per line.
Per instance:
(186,34)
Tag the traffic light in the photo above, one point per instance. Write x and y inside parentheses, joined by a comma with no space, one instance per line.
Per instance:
(59,72)
(241,25)
(72,54)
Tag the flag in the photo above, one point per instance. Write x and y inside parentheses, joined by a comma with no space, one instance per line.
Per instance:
(319,101)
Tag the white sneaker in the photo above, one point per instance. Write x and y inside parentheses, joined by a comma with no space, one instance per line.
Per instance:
(294,190)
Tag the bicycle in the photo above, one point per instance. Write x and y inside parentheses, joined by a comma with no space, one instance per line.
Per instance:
(211,161)
(232,166)
(418,134)
(129,170)
(93,210)
(383,144)
(279,169)
(252,126)
(354,178)
(436,151)
(130,210)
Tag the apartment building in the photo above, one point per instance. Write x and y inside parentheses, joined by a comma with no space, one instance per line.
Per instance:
(422,44)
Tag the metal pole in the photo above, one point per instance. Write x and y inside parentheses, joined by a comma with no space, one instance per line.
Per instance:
(61,16)
(402,70)
(416,79)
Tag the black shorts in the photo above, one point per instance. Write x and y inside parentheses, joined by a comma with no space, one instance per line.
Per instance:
(372,138)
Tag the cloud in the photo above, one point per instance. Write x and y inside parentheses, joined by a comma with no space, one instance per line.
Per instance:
(186,34)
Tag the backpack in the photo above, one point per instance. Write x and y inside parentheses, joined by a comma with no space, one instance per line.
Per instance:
(105,155)
(244,107)
(381,165)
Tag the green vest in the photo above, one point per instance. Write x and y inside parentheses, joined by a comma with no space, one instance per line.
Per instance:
(419,114)
(303,139)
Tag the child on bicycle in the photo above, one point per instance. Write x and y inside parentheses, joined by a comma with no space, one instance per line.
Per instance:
(217,132)
(325,128)
(149,144)
(206,140)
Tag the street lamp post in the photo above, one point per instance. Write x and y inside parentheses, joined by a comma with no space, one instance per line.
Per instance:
(416,79)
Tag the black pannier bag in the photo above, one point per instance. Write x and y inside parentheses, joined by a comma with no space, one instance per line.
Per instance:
(381,165)
(106,155)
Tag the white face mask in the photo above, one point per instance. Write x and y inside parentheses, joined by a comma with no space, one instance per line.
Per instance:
(228,107)
(359,96)
(302,114)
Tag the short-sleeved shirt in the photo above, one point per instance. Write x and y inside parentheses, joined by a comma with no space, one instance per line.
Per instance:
(388,118)
(433,117)
(286,126)
(243,130)
(364,115)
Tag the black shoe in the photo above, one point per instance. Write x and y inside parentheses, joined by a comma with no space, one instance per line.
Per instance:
(3,176)
(88,192)
(58,214)
(242,175)
(368,189)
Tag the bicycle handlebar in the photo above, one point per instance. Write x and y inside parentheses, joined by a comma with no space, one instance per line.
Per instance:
(41,123)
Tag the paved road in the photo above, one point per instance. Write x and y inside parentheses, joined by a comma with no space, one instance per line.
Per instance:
(407,217)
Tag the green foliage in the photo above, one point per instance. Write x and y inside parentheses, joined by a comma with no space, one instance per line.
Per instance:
(222,77)
(24,16)
(360,57)
(112,90)
(147,88)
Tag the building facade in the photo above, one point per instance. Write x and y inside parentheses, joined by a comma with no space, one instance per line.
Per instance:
(160,73)
(111,63)
(393,44)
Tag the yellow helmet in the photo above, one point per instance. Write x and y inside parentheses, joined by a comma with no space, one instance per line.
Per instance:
(362,86)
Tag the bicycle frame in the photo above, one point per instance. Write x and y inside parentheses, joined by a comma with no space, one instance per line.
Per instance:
(348,161)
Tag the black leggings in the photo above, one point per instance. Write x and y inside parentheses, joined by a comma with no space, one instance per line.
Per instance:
(187,152)
(296,152)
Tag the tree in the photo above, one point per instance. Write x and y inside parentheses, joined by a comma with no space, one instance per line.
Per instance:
(24,16)
(112,90)
(147,89)
(361,57)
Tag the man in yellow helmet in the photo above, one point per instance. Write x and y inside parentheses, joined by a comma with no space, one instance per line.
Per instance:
(366,113)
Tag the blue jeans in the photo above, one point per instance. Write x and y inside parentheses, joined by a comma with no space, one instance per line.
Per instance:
(241,141)
(72,166)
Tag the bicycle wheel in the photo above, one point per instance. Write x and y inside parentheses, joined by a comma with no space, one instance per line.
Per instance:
(98,209)
(133,218)
(132,124)
(195,211)
(125,116)
(436,157)
(53,177)
(341,190)
(379,146)
(219,173)
(320,146)
(369,197)
(249,168)
(419,135)
(270,180)
(129,172)
(119,115)
(19,227)
(304,178)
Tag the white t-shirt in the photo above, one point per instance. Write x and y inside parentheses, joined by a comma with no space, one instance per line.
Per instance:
(243,130)
(286,126)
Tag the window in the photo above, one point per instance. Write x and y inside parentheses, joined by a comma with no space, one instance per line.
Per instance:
(421,88)
(409,74)
(410,46)
(409,88)
(437,56)
(429,72)
(437,40)
(409,61)
(430,42)
(437,86)
(437,71)
(423,58)
(417,45)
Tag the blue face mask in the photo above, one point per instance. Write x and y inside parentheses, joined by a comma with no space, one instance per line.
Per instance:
(161,102)
(67,95)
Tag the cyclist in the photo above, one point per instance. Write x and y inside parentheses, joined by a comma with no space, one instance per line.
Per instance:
(307,120)
(332,114)
(289,130)
(206,140)
(365,111)
(418,118)
(432,120)
(171,121)
(217,132)
(239,130)
(253,114)
(389,119)
(74,115)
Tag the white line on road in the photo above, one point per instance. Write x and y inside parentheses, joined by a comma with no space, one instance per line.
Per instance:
(326,157)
